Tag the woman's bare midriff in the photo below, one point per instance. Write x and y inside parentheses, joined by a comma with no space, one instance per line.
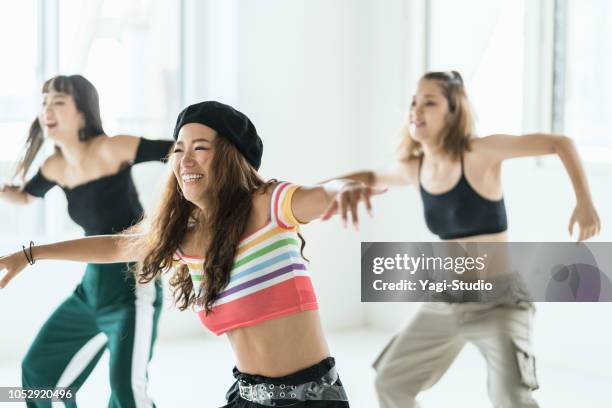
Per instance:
(498,262)
(280,346)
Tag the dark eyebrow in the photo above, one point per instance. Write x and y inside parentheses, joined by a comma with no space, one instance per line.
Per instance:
(197,140)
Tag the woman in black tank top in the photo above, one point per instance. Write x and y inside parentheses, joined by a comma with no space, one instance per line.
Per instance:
(459,179)
(94,171)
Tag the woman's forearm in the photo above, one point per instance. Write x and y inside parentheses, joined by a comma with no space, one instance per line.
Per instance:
(366,177)
(399,175)
(566,149)
(334,186)
(95,249)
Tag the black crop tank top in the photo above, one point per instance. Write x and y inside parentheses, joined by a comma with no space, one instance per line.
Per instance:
(461,212)
(110,204)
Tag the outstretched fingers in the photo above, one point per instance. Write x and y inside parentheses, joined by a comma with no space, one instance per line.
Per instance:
(331,209)
(570,227)
(6,278)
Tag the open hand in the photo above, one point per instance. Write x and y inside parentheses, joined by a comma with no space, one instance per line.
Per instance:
(588,221)
(347,199)
(12,265)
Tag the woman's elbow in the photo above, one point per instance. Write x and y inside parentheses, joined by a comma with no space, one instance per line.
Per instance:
(563,143)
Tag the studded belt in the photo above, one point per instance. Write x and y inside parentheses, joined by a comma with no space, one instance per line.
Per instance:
(322,389)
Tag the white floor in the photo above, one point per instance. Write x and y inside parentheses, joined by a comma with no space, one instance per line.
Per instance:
(197,372)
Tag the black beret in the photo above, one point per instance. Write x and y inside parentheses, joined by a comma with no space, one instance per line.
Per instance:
(229,123)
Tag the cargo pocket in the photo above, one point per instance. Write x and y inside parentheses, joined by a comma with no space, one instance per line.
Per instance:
(526,364)
(383,352)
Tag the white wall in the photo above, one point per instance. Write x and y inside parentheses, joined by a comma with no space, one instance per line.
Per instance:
(308,78)
(328,85)
(306,73)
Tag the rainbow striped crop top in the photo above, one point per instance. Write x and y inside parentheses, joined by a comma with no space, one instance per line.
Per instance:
(269,278)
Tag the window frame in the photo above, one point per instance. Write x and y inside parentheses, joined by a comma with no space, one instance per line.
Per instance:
(48,65)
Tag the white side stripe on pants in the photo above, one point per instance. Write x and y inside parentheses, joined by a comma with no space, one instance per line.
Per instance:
(143,333)
(81,360)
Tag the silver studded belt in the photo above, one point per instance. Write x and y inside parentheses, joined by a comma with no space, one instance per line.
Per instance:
(323,388)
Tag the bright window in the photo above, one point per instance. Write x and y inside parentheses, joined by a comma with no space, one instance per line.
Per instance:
(19,82)
(483,40)
(588,77)
(131,52)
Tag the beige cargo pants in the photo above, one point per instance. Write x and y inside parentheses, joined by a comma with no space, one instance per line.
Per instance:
(418,355)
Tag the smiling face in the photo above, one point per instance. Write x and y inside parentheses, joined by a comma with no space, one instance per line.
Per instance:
(59,117)
(428,112)
(191,160)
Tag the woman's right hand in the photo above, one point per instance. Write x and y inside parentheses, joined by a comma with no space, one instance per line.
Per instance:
(14,194)
(346,200)
(12,264)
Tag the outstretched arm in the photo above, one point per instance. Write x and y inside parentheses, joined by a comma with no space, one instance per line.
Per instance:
(401,174)
(502,147)
(95,249)
(133,149)
(36,187)
(336,196)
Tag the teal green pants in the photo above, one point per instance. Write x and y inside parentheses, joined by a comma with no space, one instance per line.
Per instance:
(107,311)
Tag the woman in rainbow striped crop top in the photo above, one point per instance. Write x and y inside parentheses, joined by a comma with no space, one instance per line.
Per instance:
(232,241)
(268,265)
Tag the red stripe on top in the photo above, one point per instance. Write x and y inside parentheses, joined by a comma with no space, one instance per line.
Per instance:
(291,296)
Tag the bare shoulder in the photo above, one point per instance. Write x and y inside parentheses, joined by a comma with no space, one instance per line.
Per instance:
(120,147)
(263,195)
(409,170)
(115,143)
(482,153)
(123,139)
(53,166)
(490,143)
(262,199)
(482,144)
(99,144)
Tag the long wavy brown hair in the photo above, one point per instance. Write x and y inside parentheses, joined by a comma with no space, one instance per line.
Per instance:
(459,128)
(225,219)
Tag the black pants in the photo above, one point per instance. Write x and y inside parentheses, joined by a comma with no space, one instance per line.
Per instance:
(306,375)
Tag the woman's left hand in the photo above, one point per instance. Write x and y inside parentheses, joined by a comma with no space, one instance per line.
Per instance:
(346,200)
(586,216)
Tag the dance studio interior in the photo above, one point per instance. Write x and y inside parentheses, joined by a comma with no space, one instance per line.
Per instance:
(329,86)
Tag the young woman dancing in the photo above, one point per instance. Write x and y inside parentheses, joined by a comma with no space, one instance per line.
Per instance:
(459,179)
(233,242)
(107,310)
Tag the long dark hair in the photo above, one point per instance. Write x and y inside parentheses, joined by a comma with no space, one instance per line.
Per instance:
(231,201)
(459,128)
(87,102)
